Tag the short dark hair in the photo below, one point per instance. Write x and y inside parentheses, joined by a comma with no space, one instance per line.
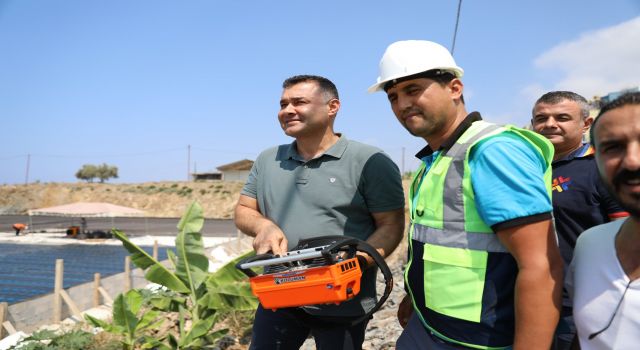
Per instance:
(440,76)
(630,98)
(554,97)
(327,86)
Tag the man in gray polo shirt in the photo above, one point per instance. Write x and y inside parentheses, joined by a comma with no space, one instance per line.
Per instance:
(321,184)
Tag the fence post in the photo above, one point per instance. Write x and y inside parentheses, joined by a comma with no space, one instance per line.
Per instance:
(127,273)
(155,249)
(96,289)
(57,287)
(3,316)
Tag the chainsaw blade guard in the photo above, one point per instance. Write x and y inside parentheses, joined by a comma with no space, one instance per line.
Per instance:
(321,270)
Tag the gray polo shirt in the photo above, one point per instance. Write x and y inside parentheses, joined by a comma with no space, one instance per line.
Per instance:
(333,194)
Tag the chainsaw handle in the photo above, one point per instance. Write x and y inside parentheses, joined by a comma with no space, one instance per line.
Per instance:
(359,245)
(386,272)
(258,257)
(339,241)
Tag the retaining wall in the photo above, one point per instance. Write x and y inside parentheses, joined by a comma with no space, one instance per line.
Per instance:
(28,316)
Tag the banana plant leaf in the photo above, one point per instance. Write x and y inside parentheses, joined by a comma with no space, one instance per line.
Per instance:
(229,273)
(111,328)
(192,265)
(228,288)
(192,220)
(172,258)
(157,272)
(230,297)
(124,314)
(197,331)
(167,303)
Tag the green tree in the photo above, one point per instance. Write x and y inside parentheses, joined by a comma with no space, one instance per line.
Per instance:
(105,172)
(88,172)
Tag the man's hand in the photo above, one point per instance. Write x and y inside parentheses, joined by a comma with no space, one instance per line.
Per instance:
(405,309)
(363,261)
(270,238)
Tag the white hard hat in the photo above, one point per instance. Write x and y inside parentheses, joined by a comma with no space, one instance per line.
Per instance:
(409,57)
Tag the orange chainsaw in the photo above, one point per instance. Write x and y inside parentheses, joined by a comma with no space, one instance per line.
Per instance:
(320,270)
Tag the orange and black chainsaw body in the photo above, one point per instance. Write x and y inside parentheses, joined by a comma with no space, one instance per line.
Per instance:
(322,270)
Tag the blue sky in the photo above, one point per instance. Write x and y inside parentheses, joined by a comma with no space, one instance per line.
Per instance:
(134,83)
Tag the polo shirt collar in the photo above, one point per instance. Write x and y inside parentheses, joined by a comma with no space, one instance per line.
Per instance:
(448,143)
(336,150)
(583,151)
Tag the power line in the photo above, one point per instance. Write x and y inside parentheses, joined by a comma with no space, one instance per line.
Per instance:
(137,154)
(455,31)
(222,150)
(13,157)
(134,154)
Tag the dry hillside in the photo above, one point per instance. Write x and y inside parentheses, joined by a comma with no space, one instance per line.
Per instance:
(158,199)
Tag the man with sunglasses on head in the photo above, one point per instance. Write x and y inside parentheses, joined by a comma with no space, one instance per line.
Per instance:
(580,200)
(604,277)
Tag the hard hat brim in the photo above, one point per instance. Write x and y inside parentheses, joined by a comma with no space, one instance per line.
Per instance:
(379,86)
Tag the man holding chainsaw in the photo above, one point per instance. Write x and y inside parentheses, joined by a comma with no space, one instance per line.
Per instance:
(484,269)
(321,184)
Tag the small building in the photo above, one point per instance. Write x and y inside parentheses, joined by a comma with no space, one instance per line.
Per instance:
(206,176)
(236,171)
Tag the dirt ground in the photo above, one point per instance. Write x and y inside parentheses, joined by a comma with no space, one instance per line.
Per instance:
(158,199)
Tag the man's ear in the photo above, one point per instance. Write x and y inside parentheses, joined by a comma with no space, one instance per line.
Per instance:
(334,107)
(588,121)
(456,87)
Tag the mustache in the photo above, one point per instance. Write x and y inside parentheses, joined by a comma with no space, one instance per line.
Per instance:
(410,110)
(626,175)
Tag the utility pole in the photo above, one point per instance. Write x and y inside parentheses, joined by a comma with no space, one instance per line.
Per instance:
(26,177)
(188,163)
(455,31)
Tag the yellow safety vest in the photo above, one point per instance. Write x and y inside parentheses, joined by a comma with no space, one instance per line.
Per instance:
(454,256)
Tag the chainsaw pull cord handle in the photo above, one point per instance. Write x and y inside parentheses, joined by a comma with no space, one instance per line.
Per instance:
(250,273)
(363,246)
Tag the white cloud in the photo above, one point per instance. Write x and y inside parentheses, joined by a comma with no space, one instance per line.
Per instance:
(597,62)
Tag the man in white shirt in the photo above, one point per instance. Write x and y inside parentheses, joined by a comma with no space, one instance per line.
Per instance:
(604,277)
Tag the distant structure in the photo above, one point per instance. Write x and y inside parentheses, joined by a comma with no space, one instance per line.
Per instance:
(236,171)
(598,101)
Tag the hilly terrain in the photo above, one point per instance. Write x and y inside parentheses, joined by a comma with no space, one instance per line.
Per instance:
(158,199)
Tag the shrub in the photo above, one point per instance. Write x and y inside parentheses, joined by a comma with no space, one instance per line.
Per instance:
(196,298)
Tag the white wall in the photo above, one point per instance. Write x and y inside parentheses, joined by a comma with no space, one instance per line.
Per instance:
(235,175)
